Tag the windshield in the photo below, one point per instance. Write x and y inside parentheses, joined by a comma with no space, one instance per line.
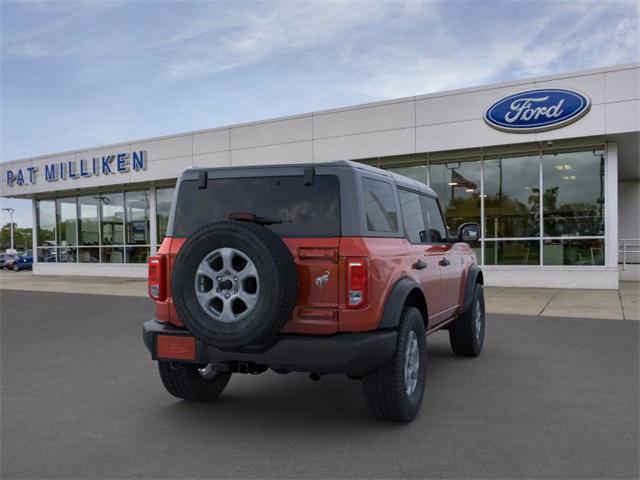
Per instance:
(305,210)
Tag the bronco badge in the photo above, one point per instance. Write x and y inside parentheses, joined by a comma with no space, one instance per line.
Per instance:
(323,279)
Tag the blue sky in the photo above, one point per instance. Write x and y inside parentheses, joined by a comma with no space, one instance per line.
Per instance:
(80,74)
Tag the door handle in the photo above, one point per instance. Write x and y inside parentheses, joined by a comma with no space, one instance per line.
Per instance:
(444,262)
(419,265)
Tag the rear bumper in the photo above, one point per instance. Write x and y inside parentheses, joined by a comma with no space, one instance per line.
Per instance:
(351,353)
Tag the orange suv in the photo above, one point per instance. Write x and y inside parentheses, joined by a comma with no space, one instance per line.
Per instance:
(323,268)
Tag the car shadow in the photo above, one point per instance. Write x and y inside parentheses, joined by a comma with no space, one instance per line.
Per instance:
(270,402)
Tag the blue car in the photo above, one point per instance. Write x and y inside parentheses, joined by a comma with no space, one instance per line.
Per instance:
(24,262)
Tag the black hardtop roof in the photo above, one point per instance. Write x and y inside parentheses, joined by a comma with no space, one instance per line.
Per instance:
(400,180)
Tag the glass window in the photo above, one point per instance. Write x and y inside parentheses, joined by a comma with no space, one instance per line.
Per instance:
(67,255)
(306,210)
(574,252)
(380,208)
(412,216)
(46,222)
(573,199)
(137,254)
(137,215)
(163,209)
(458,187)
(46,254)
(433,220)
(512,197)
(112,255)
(512,252)
(67,213)
(88,221)
(89,255)
(112,220)
(416,172)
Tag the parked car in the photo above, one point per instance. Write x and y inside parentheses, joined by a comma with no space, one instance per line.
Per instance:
(7,262)
(23,262)
(324,268)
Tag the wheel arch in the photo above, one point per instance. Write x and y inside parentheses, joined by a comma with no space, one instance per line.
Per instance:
(474,277)
(405,292)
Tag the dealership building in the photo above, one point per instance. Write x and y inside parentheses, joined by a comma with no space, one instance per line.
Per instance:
(549,166)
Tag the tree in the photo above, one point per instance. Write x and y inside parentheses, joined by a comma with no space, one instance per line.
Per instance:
(21,237)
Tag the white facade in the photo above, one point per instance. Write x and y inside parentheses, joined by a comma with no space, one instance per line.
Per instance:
(400,132)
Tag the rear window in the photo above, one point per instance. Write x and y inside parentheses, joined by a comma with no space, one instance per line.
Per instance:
(307,210)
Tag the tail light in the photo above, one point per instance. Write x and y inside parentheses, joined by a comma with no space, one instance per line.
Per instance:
(157,277)
(357,281)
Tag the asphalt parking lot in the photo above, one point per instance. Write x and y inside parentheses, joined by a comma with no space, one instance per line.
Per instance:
(548,398)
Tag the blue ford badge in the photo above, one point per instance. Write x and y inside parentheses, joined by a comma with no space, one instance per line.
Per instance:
(537,110)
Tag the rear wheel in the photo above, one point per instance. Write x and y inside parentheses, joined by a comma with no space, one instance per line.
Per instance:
(190,382)
(466,333)
(395,391)
(16,268)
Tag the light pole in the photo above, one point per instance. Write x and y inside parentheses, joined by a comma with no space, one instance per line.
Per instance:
(11,211)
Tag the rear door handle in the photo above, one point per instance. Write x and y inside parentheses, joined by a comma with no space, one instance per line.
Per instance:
(444,262)
(419,265)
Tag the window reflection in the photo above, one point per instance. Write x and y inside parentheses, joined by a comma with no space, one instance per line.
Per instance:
(88,220)
(573,198)
(137,218)
(89,255)
(112,254)
(67,213)
(46,255)
(512,197)
(574,252)
(46,220)
(512,252)
(112,206)
(163,208)
(137,254)
(458,187)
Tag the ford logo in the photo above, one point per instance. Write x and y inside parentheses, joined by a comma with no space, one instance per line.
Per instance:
(537,110)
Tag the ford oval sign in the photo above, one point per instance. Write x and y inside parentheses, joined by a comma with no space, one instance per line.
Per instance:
(537,110)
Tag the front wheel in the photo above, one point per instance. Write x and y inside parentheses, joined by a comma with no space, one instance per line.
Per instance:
(190,382)
(16,268)
(395,391)
(466,333)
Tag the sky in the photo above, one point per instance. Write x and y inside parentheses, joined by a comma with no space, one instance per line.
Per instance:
(87,73)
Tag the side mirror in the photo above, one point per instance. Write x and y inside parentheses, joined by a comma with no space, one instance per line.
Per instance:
(469,232)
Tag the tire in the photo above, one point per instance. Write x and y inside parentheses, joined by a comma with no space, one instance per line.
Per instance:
(16,268)
(385,389)
(466,333)
(184,380)
(248,310)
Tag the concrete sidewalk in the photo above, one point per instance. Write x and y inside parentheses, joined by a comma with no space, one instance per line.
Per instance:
(623,304)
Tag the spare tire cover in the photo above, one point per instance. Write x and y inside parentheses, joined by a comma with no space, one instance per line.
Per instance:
(234,284)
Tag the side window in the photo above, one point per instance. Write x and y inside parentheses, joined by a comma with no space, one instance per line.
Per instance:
(412,216)
(433,219)
(380,208)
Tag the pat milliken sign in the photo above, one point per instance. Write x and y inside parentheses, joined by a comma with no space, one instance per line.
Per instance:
(105,165)
(537,110)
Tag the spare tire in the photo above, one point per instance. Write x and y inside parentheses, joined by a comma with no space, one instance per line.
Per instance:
(234,284)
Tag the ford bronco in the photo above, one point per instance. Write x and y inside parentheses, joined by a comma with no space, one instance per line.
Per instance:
(324,268)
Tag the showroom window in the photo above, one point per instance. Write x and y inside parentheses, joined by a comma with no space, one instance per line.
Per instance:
(458,187)
(67,222)
(163,209)
(138,238)
(112,227)
(563,226)
(88,229)
(46,230)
